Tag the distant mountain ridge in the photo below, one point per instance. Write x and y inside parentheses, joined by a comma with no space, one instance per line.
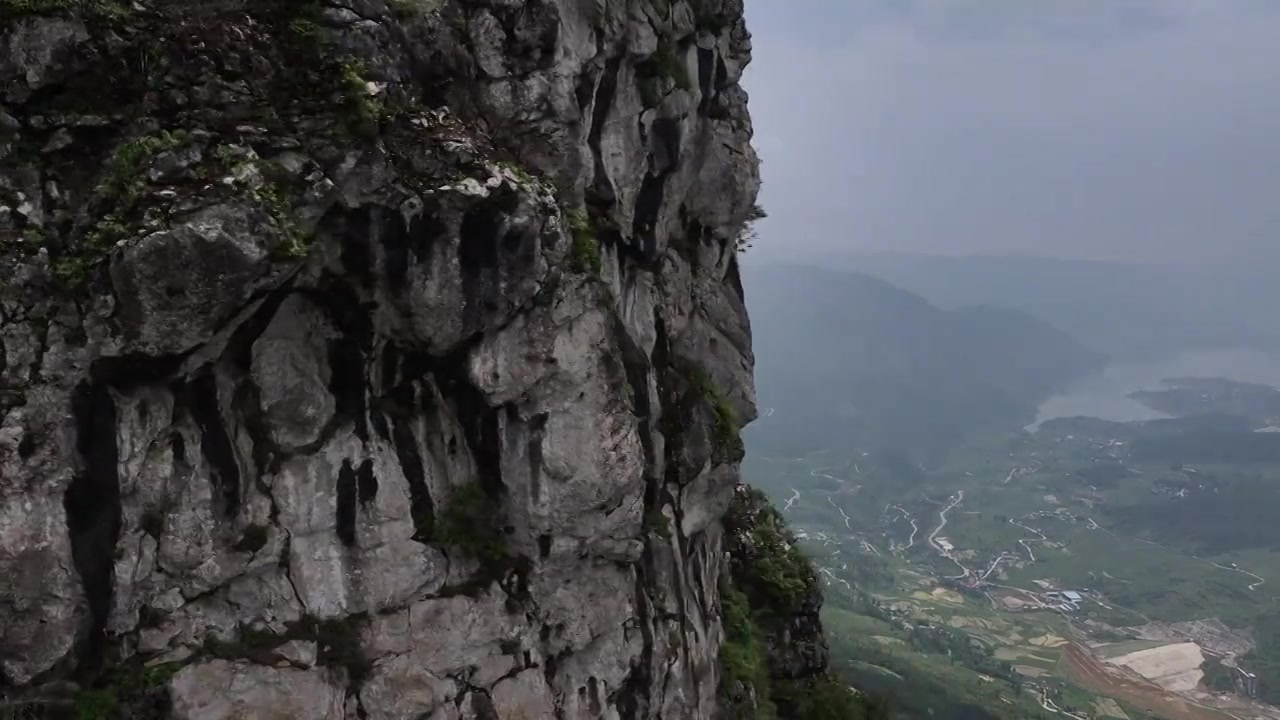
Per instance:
(884,367)
(1123,309)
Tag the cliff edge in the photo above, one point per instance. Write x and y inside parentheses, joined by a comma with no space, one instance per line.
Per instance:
(369,358)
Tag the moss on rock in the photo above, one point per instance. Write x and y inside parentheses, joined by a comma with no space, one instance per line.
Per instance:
(472,521)
(726,428)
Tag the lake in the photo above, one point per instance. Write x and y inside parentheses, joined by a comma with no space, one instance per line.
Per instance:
(1104,395)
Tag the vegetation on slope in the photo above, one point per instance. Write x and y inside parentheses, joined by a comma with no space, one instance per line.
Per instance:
(774,658)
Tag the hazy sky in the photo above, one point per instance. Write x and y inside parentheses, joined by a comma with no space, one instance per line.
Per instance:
(1107,129)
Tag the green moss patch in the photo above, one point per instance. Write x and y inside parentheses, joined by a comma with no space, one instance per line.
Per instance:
(725,431)
(585,251)
(129,692)
(119,193)
(473,522)
(671,65)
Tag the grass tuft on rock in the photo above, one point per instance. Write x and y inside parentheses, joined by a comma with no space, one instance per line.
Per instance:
(363,109)
(274,200)
(585,252)
(119,192)
(472,521)
(126,692)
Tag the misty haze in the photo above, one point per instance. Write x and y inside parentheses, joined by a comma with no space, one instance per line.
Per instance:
(639,360)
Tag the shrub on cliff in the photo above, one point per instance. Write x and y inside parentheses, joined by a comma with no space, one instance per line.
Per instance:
(778,576)
(774,658)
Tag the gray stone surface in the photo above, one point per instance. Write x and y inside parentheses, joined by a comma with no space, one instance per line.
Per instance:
(309,383)
(221,690)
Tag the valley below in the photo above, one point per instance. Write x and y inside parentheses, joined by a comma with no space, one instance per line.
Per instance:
(1089,568)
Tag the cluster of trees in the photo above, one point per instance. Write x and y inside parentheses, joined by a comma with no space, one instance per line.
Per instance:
(1209,446)
(963,650)
(1218,676)
(1238,514)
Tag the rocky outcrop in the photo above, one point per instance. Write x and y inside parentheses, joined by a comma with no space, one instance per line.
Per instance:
(781,584)
(374,359)
(774,657)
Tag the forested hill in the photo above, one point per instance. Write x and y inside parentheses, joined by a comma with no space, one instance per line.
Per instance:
(851,358)
(1123,309)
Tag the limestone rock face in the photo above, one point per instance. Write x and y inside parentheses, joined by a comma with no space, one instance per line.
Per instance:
(378,359)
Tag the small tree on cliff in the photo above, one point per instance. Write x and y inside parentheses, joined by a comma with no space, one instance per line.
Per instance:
(747,234)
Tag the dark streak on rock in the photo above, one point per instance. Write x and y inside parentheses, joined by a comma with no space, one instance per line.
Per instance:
(356,246)
(366,482)
(348,381)
(420,239)
(482,705)
(421,506)
(245,399)
(92,505)
(346,520)
(129,371)
(483,225)
(665,146)
(601,191)
(200,398)
(537,427)
(706,72)
(648,203)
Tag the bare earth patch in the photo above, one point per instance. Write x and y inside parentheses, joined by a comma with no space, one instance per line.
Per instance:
(1173,667)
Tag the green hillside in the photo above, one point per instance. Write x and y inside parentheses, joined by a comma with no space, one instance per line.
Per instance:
(863,361)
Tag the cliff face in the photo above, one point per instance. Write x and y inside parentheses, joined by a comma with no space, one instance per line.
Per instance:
(373,359)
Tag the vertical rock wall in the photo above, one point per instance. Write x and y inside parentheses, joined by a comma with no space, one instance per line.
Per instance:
(374,359)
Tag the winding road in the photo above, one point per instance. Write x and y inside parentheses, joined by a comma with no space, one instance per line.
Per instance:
(1252,586)
(995,564)
(1024,543)
(818,473)
(911,541)
(795,495)
(942,517)
(1049,705)
(847,519)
